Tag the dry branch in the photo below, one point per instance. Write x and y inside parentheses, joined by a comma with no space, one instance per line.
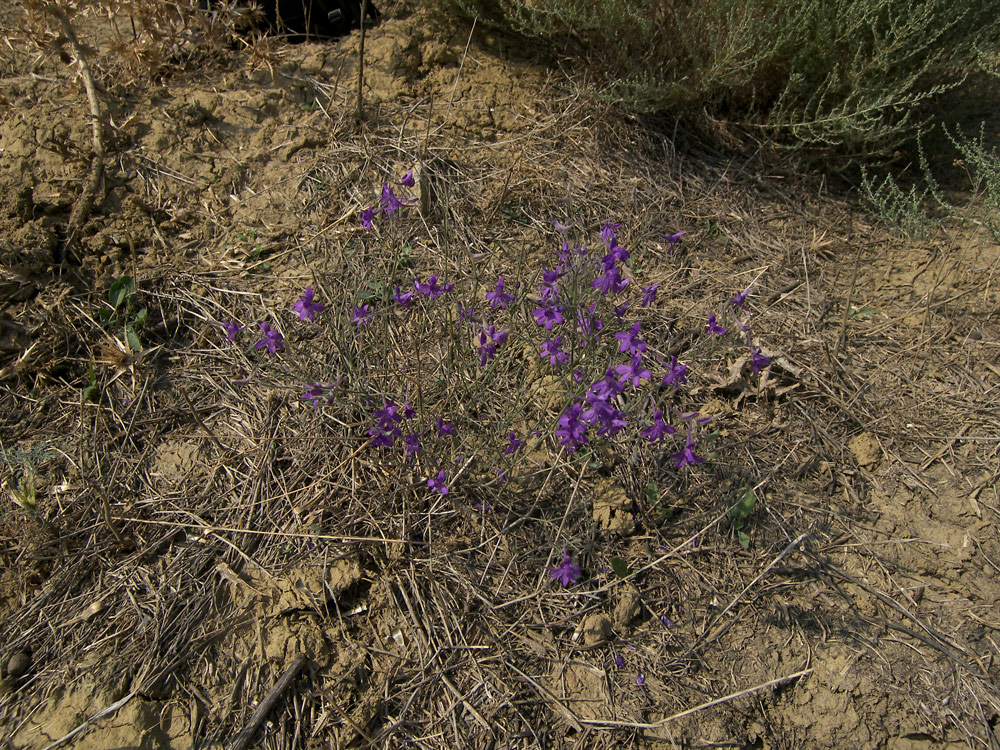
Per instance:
(242,740)
(81,209)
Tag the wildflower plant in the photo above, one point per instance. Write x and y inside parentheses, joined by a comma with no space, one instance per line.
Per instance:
(454,383)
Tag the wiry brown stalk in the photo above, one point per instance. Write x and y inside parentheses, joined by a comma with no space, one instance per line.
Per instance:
(85,201)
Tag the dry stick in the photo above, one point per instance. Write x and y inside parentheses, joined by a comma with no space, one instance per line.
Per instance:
(81,209)
(96,717)
(242,740)
(207,529)
(700,707)
(711,633)
(361,60)
(842,338)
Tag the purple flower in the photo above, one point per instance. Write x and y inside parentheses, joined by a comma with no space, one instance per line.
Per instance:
(714,327)
(408,411)
(640,679)
(759,360)
(673,240)
(412,444)
(603,412)
(740,300)
(606,388)
(629,341)
(404,299)
(608,234)
(407,180)
(271,340)
(231,330)
(571,256)
(389,200)
(571,430)
(498,337)
(588,324)
(649,295)
(676,373)
(499,298)
(619,662)
(578,376)
(621,309)
(388,416)
(550,277)
(634,371)
(488,342)
(659,429)
(617,255)
(465,313)
(560,227)
(437,484)
(487,350)
(381,439)
(315,393)
(686,456)
(551,350)
(362,316)
(666,621)
(306,307)
(567,573)
(444,429)
(611,282)
(431,288)
(366,218)
(549,291)
(513,444)
(548,316)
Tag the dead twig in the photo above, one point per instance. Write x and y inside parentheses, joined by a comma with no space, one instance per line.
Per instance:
(81,209)
(242,740)
(113,708)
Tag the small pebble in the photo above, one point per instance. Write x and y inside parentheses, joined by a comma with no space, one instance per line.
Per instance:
(18,664)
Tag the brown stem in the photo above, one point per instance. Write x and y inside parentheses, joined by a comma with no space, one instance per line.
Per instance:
(81,209)
(361,60)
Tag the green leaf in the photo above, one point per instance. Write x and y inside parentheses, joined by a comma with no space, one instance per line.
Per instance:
(120,291)
(744,506)
(371,291)
(90,391)
(133,339)
(744,539)
(652,493)
(620,567)
(405,259)
(140,317)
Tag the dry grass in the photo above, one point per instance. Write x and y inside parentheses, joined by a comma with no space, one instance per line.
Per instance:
(173,513)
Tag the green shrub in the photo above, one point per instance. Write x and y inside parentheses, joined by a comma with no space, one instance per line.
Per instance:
(851,76)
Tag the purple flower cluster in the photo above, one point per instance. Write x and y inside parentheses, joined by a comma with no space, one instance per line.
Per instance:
(577,303)
(566,572)
(316,392)
(489,340)
(389,203)
(498,297)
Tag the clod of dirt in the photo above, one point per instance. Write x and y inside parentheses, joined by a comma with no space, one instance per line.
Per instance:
(175,461)
(628,607)
(18,664)
(596,629)
(612,508)
(308,586)
(866,450)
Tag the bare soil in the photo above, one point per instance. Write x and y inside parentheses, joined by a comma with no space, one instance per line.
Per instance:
(190,534)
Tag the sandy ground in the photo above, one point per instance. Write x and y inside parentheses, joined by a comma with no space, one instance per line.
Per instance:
(231,181)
